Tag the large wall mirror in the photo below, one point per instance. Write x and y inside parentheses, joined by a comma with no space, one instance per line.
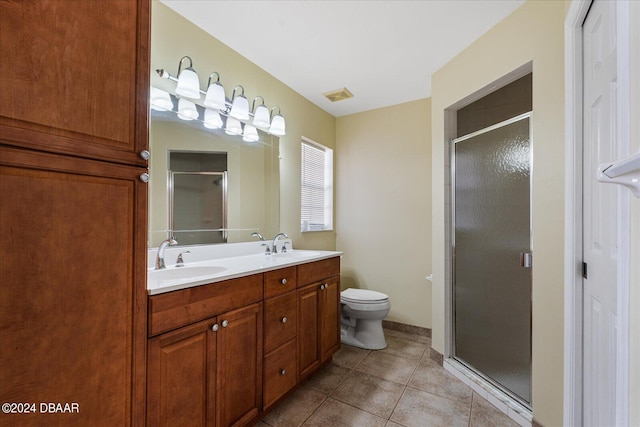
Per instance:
(206,186)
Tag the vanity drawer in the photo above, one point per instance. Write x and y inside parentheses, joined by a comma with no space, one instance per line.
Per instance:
(279,372)
(318,270)
(277,282)
(179,308)
(280,320)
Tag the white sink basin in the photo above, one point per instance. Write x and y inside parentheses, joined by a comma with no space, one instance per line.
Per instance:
(177,273)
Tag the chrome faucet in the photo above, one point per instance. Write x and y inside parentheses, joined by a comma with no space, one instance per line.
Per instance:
(258,235)
(275,241)
(160,257)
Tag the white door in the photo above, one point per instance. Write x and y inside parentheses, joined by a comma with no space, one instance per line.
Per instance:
(602,208)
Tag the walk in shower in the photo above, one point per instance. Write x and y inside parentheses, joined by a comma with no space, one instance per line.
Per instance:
(492,260)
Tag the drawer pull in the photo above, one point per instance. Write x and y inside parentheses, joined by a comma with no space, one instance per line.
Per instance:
(215,327)
(283,281)
(225,323)
(283,372)
(283,320)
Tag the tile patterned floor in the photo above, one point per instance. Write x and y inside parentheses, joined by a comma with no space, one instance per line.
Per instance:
(395,387)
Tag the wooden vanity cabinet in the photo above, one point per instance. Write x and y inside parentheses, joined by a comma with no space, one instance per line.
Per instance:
(216,364)
(318,314)
(218,369)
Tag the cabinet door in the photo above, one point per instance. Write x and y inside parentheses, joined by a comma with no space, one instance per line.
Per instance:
(72,288)
(75,77)
(239,370)
(329,318)
(181,377)
(308,326)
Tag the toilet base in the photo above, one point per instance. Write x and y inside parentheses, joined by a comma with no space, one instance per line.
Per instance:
(368,334)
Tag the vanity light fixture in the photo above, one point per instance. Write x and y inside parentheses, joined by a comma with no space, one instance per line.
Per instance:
(233,126)
(212,119)
(277,127)
(160,100)
(188,83)
(239,105)
(215,94)
(187,110)
(235,111)
(250,133)
(260,114)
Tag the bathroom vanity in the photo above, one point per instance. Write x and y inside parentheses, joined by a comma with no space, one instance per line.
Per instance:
(223,352)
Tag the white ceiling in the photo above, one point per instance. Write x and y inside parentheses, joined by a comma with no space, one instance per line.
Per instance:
(384,52)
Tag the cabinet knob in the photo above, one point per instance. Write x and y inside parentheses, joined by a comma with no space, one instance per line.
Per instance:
(145,154)
(283,281)
(323,287)
(215,327)
(144,177)
(225,323)
(283,320)
(283,372)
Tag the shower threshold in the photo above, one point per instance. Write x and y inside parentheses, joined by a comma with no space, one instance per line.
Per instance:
(515,410)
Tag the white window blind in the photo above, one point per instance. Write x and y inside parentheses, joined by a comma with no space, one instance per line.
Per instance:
(316,210)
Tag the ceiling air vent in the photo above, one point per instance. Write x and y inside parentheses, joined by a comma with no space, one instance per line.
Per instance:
(338,95)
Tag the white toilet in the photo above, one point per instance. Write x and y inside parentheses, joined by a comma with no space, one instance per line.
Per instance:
(361,317)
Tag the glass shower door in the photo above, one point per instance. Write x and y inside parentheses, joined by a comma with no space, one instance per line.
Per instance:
(492,254)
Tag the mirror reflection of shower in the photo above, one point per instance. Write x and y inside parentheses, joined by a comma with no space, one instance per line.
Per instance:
(198,197)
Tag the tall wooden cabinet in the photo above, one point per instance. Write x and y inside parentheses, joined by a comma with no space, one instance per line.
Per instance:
(73,211)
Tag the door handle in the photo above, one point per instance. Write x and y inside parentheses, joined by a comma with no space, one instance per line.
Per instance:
(526,259)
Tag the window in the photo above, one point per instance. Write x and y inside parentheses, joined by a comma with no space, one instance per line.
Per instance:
(316,207)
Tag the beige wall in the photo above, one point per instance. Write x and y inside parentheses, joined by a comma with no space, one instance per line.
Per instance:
(384,206)
(533,33)
(173,37)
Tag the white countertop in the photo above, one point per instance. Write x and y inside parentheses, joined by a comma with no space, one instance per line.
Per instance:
(204,272)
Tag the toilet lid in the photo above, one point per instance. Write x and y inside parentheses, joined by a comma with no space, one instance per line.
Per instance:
(362,295)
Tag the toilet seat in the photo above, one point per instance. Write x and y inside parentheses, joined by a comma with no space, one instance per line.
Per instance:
(363,296)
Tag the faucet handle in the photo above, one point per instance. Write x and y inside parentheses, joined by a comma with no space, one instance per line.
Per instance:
(284,247)
(180,260)
(267,250)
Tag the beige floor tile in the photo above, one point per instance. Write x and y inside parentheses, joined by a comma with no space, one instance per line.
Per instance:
(337,414)
(484,414)
(404,347)
(329,378)
(349,356)
(388,367)
(296,408)
(392,424)
(421,409)
(408,336)
(435,379)
(369,393)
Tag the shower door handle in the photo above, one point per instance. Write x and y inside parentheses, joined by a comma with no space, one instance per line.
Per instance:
(526,259)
